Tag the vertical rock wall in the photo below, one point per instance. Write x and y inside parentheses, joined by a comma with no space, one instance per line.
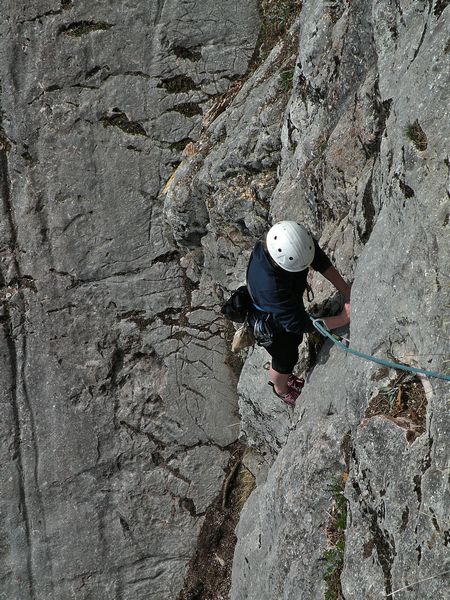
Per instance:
(115,390)
(365,163)
(139,163)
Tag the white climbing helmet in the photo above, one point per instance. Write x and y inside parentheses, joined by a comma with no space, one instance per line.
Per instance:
(290,245)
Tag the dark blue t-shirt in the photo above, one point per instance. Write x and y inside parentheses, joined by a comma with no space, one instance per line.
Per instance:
(280,292)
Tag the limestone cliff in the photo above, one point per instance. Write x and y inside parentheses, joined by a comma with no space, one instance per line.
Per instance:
(144,148)
(365,162)
(118,405)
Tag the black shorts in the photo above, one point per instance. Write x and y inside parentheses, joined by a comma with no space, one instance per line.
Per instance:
(284,351)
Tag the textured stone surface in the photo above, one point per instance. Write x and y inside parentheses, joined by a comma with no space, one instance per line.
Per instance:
(368,72)
(265,420)
(115,388)
(281,534)
(139,163)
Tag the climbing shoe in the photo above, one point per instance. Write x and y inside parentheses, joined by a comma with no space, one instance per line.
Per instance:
(296,383)
(288,397)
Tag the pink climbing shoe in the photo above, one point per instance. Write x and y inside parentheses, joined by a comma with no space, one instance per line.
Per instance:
(289,397)
(296,383)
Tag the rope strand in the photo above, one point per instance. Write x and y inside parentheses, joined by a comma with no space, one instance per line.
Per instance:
(381,361)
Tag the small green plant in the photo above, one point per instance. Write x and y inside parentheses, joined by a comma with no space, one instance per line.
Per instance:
(334,559)
(282,12)
(417,135)
(334,556)
(286,79)
(392,390)
(276,17)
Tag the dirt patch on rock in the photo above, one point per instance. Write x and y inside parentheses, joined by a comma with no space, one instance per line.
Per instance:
(209,575)
(404,402)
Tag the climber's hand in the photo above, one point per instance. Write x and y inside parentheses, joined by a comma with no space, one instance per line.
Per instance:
(346,313)
(340,320)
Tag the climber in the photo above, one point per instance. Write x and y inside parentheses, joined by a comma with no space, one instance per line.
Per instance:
(276,280)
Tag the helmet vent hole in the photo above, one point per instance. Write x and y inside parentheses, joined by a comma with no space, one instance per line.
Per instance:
(290,258)
(280,250)
(275,237)
(310,247)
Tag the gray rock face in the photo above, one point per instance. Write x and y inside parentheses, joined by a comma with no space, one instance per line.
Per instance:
(364,162)
(115,388)
(265,422)
(139,163)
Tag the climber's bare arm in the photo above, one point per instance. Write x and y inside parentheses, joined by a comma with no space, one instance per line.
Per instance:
(335,278)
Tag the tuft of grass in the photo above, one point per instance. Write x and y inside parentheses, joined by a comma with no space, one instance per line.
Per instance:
(334,556)
(245,485)
(286,79)
(276,17)
(417,135)
(334,559)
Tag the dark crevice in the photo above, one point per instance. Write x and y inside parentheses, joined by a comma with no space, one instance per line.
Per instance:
(276,19)
(168,257)
(368,212)
(49,13)
(382,111)
(188,109)
(426,461)
(117,359)
(383,542)
(124,524)
(418,488)
(188,505)
(347,449)
(159,461)
(422,37)
(59,309)
(385,547)
(81,28)
(307,91)
(180,145)
(16,371)
(407,191)
(435,521)
(120,120)
(405,518)
(93,72)
(178,84)
(439,7)
(187,53)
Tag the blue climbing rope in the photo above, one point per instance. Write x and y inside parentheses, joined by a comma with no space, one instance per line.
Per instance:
(381,361)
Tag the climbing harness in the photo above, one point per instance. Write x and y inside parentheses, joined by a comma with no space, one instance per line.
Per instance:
(342,343)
